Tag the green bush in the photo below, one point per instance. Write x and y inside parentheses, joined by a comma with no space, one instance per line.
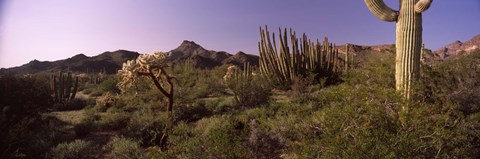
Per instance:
(193,112)
(75,104)
(114,121)
(106,101)
(455,80)
(124,148)
(87,91)
(250,91)
(110,85)
(77,149)
(214,137)
(84,128)
(22,102)
(96,93)
(147,126)
(366,118)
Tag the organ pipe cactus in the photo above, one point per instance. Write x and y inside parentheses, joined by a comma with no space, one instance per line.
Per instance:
(63,88)
(298,59)
(408,39)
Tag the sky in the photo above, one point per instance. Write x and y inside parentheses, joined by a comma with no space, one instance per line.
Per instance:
(49,30)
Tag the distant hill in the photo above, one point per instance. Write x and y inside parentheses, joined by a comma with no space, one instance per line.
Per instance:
(208,58)
(109,62)
(458,47)
(451,50)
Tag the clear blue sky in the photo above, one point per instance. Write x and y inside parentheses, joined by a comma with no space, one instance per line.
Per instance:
(57,29)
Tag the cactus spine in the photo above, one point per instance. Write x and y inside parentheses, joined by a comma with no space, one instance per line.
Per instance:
(408,38)
(63,88)
(299,58)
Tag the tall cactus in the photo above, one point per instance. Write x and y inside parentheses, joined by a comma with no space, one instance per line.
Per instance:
(347,47)
(63,88)
(299,58)
(408,40)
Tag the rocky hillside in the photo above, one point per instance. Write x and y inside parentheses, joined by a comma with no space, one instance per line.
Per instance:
(208,58)
(458,47)
(204,58)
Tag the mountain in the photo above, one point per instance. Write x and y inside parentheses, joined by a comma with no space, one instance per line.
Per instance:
(208,58)
(457,47)
(109,62)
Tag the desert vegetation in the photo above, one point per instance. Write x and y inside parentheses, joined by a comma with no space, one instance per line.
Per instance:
(238,112)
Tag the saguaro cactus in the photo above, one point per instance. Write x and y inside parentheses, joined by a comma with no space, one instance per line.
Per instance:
(409,38)
(347,46)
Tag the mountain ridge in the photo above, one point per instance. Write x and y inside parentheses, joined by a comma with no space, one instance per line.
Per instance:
(457,47)
(111,62)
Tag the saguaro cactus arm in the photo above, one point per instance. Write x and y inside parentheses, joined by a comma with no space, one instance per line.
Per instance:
(422,5)
(381,10)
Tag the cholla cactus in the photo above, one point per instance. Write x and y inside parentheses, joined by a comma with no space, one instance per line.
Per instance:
(231,72)
(150,66)
(144,65)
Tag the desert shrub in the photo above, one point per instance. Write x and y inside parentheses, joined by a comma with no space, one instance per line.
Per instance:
(220,105)
(77,149)
(77,104)
(454,80)
(84,128)
(223,137)
(87,91)
(286,128)
(214,137)
(194,83)
(96,93)
(106,101)
(22,97)
(191,112)
(114,121)
(124,148)
(74,104)
(299,90)
(22,102)
(377,69)
(147,126)
(262,144)
(29,138)
(210,84)
(110,85)
(249,90)
(366,118)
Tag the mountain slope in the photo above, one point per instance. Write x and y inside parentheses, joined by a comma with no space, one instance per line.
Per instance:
(208,58)
(458,47)
(107,61)
(204,58)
